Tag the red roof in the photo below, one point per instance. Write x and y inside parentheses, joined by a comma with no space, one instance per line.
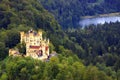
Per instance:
(35,47)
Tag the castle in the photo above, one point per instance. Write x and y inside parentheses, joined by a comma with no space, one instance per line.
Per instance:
(36,46)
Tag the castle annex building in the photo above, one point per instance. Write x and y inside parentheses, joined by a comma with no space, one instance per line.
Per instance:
(36,46)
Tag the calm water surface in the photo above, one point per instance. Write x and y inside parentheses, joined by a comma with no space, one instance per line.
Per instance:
(98,20)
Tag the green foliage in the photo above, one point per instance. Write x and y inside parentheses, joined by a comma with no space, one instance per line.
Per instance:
(4,77)
(68,13)
(16,16)
(92,73)
(28,13)
(92,45)
(3,51)
(12,36)
(21,47)
(98,44)
(52,48)
(19,68)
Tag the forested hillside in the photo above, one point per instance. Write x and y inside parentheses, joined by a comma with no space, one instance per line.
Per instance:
(81,53)
(69,12)
(58,68)
(99,45)
(23,15)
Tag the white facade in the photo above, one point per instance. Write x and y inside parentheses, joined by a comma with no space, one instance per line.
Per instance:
(36,46)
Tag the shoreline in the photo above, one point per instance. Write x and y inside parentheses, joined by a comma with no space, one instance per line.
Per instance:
(102,15)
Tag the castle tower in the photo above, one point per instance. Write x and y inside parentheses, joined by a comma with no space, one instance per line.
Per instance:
(21,36)
(40,34)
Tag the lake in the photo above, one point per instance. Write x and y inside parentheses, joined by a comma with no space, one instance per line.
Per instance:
(99,20)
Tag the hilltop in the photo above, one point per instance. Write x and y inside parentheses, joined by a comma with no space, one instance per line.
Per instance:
(22,15)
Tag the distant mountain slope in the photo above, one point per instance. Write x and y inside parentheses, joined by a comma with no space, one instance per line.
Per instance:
(68,12)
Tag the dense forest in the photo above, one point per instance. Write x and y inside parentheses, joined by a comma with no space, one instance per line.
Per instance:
(68,12)
(99,44)
(91,53)
(58,68)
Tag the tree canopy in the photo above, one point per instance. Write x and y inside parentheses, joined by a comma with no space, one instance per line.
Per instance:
(69,12)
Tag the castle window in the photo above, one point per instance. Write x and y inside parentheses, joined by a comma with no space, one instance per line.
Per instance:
(39,53)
